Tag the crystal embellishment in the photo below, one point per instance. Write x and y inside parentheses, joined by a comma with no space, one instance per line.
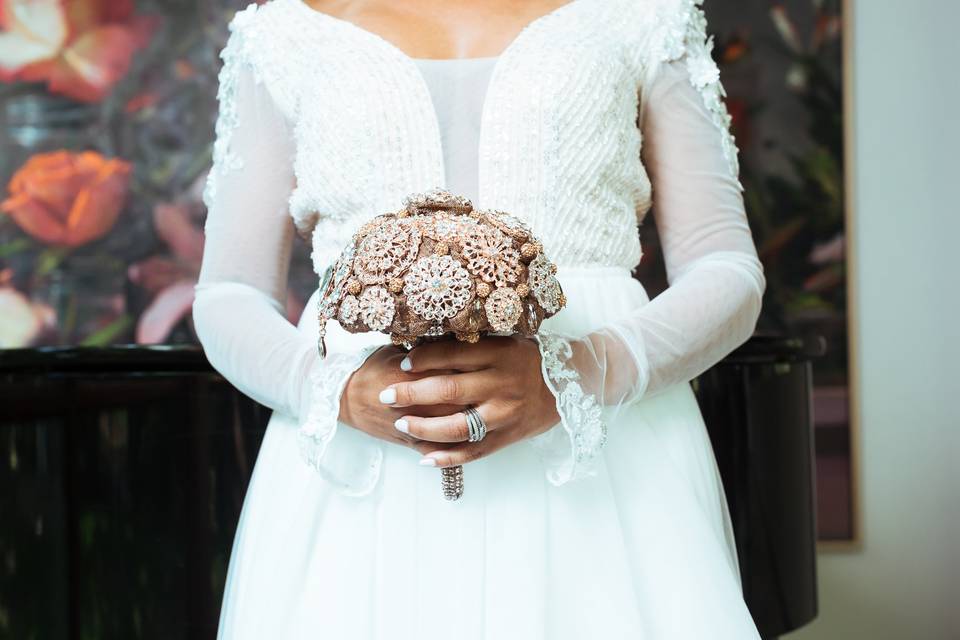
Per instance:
(349,309)
(437,287)
(503,308)
(376,308)
(435,199)
(509,224)
(489,254)
(446,228)
(387,251)
(545,286)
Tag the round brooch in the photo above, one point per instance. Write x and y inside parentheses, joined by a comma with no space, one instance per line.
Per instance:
(437,287)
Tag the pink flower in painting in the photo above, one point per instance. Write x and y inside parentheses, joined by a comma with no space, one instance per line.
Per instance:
(171,277)
(80,48)
(828,252)
(787,29)
(827,27)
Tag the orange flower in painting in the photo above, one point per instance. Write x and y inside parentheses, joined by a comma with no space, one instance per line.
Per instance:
(68,199)
(80,48)
(734,49)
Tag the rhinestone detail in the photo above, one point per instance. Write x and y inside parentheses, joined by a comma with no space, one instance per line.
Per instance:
(376,308)
(503,308)
(437,287)
(544,284)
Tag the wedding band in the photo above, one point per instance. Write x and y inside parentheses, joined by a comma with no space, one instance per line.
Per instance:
(475,424)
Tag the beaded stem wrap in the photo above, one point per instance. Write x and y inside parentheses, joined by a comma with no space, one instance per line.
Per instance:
(452,482)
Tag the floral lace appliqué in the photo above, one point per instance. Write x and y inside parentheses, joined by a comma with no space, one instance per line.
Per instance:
(574,456)
(319,425)
(683,36)
(243,51)
(233,54)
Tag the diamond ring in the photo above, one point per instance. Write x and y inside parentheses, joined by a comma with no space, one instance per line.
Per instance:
(475,423)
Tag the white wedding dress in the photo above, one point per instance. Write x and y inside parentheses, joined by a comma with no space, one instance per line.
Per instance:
(610,525)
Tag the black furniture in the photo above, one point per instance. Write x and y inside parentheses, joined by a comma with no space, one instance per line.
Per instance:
(757,405)
(123,471)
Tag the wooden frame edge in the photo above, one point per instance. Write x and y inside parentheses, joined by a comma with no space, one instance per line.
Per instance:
(856,543)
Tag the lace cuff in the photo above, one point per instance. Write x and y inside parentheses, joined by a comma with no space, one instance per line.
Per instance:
(352,460)
(571,449)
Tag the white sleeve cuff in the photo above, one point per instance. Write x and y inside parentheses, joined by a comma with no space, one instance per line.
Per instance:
(350,461)
(571,449)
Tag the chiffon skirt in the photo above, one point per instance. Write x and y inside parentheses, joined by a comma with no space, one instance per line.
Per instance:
(644,549)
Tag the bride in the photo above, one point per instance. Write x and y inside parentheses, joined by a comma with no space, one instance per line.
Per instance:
(593,507)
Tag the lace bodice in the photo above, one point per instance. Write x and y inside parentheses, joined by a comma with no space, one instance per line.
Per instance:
(594,112)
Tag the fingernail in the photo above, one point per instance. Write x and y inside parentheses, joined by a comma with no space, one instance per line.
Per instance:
(428,462)
(388,395)
(406,364)
(402,425)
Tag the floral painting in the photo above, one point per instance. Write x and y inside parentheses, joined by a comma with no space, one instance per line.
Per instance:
(107,110)
(786,87)
(782,67)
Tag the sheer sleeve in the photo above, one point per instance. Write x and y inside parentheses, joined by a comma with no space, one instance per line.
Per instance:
(716,281)
(238,309)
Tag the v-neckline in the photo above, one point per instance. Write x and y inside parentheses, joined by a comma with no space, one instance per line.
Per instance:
(425,98)
(531,25)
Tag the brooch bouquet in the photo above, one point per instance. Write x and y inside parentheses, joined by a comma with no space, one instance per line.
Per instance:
(440,269)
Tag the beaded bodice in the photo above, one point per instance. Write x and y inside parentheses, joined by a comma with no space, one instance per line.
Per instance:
(559,143)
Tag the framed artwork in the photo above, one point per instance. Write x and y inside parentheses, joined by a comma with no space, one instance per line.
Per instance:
(786,69)
(105,140)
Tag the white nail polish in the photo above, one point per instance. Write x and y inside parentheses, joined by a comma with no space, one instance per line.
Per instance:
(388,396)
(428,462)
(406,364)
(402,425)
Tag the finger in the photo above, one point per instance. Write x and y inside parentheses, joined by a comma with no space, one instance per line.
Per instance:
(429,410)
(460,388)
(424,447)
(447,428)
(452,354)
(467,452)
(404,439)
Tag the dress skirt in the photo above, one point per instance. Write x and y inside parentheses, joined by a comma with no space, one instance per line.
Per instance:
(642,550)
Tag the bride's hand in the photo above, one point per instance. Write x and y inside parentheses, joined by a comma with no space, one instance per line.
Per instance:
(359,404)
(499,375)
